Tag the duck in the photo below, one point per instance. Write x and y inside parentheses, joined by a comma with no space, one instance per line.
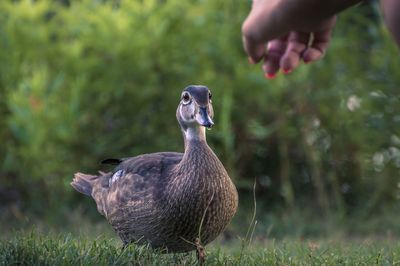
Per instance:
(172,201)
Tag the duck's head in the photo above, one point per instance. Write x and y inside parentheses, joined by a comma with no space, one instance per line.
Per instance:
(195,110)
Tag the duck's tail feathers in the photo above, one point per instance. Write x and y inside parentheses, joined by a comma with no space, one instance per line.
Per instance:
(83,183)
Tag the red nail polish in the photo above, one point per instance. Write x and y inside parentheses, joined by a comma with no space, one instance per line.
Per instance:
(286,71)
(269,75)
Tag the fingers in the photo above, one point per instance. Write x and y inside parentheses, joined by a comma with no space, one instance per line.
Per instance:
(286,53)
(318,46)
(275,51)
(297,43)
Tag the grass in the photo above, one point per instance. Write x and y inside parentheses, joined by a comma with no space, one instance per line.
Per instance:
(39,249)
(280,238)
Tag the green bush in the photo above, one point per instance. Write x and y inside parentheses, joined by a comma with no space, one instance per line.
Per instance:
(94,79)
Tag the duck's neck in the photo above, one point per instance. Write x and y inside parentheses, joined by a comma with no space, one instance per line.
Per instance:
(194,135)
(196,147)
(199,162)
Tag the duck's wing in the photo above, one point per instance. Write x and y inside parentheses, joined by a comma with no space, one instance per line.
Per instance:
(112,161)
(136,181)
(151,165)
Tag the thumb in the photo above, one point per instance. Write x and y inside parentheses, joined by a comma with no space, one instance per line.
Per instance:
(261,25)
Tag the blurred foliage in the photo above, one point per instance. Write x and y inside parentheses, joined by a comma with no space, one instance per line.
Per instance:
(81,81)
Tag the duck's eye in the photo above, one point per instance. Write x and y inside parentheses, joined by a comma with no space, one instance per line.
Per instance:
(185,98)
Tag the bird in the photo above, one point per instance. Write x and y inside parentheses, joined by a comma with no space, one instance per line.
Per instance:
(175,202)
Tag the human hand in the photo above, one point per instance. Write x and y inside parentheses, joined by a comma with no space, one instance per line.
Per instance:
(281,33)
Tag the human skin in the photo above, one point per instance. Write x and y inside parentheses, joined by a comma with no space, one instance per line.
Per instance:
(281,33)
(391,14)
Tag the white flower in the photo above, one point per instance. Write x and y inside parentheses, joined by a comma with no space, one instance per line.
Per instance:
(353,103)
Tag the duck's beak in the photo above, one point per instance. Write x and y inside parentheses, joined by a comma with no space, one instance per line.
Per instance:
(203,118)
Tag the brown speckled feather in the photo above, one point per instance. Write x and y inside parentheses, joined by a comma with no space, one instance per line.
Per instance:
(138,184)
(161,199)
(165,198)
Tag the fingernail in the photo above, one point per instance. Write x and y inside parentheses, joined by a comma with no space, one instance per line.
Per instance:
(269,75)
(251,61)
(286,71)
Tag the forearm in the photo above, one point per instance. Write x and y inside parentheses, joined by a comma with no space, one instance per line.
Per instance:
(292,10)
(317,7)
(391,11)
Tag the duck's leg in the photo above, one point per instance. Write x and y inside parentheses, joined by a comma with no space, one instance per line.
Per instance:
(200,251)
(124,246)
(125,243)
